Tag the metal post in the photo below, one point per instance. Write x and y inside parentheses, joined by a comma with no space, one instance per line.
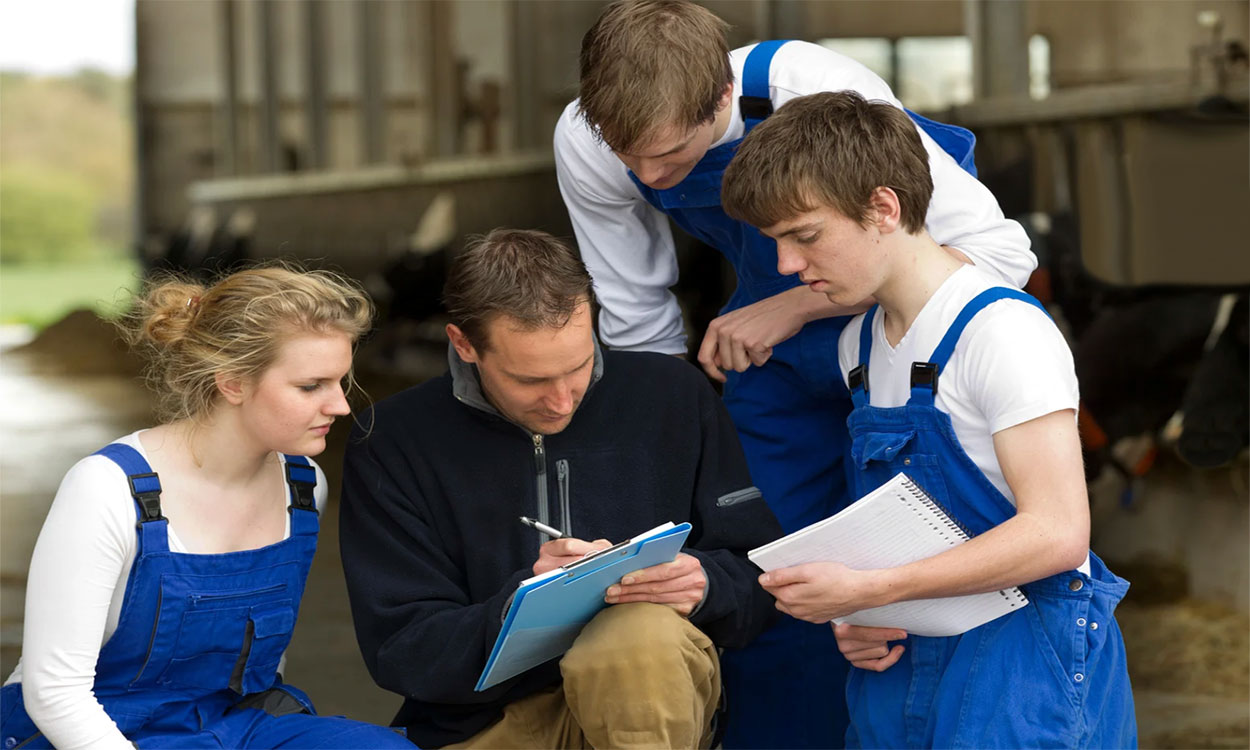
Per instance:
(765,19)
(998,30)
(444,104)
(142,157)
(896,73)
(268,104)
(229,49)
(316,111)
(368,23)
(526,90)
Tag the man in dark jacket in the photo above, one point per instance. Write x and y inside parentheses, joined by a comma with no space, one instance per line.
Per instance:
(534,419)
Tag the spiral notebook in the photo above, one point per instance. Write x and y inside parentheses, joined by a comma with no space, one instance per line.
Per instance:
(895,524)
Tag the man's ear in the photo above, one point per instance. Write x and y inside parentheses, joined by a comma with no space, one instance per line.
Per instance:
(884,210)
(726,97)
(461,342)
(231,387)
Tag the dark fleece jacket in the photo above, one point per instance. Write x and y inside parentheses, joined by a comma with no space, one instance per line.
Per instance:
(433,551)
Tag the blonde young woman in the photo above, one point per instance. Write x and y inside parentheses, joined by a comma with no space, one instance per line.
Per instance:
(165,583)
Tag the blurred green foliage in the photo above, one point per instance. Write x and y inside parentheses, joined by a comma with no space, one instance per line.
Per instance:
(66,166)
(45,215)
(40,293)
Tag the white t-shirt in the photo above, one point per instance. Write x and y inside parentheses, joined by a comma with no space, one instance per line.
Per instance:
(74,596)
(1010,365)
(627,243)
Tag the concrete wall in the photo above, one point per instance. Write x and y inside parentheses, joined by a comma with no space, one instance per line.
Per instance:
(363,221)
(1191,521)
(814,19)
(1091,40)
(1111,40)
(528,50)
(547,53)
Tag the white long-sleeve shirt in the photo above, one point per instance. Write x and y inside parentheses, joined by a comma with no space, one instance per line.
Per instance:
(627,243)
(74,596)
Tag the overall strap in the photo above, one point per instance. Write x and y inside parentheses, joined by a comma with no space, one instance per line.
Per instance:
(857,379)
(145,488)
(959,142)
(755,104)
(301,478)
(924,375)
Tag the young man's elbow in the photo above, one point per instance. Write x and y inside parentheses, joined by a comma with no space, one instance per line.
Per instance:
(1074,559)
(1063,544)
(1069,552)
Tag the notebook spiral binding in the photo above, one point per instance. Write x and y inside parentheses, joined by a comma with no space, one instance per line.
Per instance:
(1013,595)
(947,518)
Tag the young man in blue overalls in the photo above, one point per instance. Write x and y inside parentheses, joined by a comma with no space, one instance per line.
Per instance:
(662,107)
(966,386)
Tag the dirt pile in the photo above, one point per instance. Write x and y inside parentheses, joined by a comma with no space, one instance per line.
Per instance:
(81,343)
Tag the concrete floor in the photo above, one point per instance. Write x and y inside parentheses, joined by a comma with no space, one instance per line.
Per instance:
(60,407)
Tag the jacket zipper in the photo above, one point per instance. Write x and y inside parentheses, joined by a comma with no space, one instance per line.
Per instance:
(198,598)
(540,467)
(562,482)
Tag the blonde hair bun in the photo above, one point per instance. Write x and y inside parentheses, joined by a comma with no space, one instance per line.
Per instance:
(189,332)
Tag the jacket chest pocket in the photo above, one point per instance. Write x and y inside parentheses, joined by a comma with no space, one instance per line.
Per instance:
(231,639)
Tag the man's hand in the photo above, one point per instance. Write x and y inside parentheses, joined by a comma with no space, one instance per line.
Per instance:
(746,336)
(869,648)
(564,551)
(679,584)
(819,592)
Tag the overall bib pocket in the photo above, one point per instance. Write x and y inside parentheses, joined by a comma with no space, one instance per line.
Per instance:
(216,644)
(269,631)
(879,456)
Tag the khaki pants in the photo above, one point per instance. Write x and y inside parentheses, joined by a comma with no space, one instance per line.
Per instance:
(638,676)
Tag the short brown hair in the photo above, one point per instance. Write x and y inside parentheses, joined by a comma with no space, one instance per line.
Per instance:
(527,275)
(651,64)
(833,149)
(189,332)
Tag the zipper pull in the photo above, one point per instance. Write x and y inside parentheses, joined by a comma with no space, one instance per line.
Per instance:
(540,455)
(562,484)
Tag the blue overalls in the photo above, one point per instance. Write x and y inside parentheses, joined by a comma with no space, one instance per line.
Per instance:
(1052,674)
(785,689)
(193,662)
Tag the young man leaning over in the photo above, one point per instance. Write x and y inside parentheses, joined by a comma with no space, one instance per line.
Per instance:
(663,103)
(966,386)
(534,419)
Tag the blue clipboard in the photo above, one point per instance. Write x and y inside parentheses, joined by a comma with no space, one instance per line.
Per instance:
(549,611)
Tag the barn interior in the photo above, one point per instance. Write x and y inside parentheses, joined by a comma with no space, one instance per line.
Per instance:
(375,137)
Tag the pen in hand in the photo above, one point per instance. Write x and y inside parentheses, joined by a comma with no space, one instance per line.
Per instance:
(544,528)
